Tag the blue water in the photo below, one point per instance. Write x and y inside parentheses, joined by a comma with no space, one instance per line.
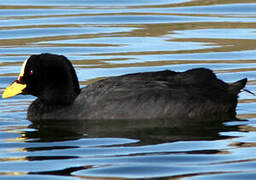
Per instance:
(106,38)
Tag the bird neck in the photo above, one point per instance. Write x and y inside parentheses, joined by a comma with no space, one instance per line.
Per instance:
(40,107)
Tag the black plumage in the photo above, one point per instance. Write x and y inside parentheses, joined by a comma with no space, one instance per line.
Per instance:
(196,93)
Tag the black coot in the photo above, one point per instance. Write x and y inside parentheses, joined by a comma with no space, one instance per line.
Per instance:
(195,93)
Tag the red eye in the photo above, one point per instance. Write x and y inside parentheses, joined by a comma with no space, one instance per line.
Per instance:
(31,72)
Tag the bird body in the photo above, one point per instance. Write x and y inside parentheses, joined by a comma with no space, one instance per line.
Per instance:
(196,93)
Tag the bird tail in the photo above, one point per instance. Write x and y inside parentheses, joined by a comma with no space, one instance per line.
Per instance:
(238,86)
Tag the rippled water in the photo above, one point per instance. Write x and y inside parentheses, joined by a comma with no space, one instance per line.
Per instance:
(113,37)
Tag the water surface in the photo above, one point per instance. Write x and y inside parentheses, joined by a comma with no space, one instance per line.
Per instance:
(106,38)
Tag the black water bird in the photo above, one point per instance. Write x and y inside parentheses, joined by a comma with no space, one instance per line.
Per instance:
(195,93)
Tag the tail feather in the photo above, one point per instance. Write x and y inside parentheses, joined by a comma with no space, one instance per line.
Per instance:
(236,87)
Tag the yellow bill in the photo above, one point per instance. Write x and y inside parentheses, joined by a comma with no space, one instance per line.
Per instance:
(14,89)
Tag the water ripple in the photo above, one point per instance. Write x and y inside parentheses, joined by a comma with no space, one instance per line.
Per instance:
(108,38)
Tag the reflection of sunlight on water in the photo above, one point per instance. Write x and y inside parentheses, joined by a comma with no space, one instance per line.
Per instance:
(18,135)
(13,109)
(8,106)
(109,38)
(12,174)
(234,9)
(216,33)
